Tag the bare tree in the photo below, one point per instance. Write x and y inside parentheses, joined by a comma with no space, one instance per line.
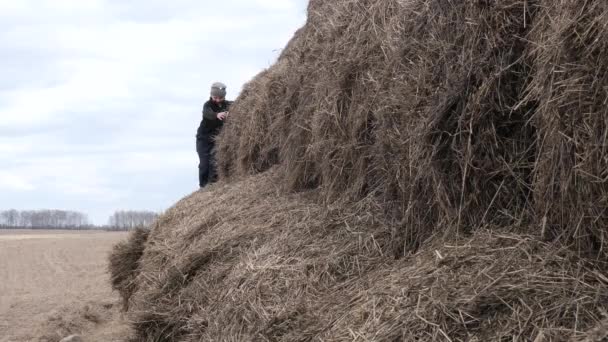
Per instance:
(12,217)
(44,219)
(126,220)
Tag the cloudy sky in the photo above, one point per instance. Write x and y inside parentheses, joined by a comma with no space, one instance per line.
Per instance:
(100,99)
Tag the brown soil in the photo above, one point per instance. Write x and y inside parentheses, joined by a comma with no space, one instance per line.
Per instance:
(54,283)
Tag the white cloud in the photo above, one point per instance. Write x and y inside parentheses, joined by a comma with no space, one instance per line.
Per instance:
(277,4)
(11,181)
(100,99)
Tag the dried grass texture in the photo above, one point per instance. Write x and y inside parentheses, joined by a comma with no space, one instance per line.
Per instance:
(406,171)
(123,264)
(452,114)
(570,87)
(243,263)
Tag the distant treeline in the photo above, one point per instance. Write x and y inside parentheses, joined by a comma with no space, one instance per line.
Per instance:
(129,219)
(44,219)
(66,219)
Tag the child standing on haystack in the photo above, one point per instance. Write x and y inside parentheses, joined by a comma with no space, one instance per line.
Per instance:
(215,111)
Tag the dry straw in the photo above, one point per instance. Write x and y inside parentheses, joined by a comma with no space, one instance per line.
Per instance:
(450,113)
(407,171)
(245,262)
(124,264)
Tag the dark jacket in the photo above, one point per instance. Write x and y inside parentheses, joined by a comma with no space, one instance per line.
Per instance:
(210,125)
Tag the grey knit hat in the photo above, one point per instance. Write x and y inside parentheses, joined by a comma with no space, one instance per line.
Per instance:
(218,89)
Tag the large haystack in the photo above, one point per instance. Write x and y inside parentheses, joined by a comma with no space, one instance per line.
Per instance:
(452,114)
(407,170)
(244,262)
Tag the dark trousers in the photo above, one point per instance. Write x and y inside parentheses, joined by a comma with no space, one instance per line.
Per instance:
(206,167)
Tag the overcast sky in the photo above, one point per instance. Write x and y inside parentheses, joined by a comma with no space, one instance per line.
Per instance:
(100,99)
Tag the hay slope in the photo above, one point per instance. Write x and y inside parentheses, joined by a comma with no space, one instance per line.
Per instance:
(124,264)
(243,262)
(407,170)
(450,114)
